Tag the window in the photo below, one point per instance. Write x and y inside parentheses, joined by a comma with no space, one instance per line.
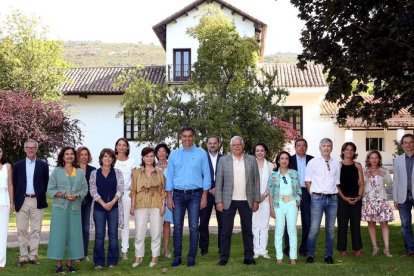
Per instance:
(182,64)
(294,116)
(134,125)
(374,144)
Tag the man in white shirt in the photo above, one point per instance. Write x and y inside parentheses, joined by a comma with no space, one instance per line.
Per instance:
(322,177)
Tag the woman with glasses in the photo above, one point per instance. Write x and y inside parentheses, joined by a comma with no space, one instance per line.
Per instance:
(375,206)
(284,197)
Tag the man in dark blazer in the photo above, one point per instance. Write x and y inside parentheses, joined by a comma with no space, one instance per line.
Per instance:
(298,162)
(30,179)
(237,189)
(213,147)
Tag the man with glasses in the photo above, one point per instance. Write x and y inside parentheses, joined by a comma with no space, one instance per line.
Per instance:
(321,178)
(237,188)
(188,182)
(30,179)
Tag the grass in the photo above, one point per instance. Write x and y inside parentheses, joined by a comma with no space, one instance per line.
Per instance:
(206,265)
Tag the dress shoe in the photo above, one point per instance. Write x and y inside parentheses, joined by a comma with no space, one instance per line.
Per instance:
(203,251)
(34,260)
(59,270)
(176,262)
(408,254)
(70,269)
(309,260)
(249,262)
(329,260)
(222,263)
(191,262)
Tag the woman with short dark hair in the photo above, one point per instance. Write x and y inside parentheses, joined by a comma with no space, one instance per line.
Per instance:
(162,151)
(350,192)
(148,205)
(106,188)
(67,185)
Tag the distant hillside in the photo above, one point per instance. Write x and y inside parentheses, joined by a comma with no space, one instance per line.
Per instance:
(99,54)
(282,58)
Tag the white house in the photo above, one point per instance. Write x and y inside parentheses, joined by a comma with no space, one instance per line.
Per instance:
(96,103)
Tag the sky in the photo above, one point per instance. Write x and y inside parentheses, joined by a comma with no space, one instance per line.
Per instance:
(132,20)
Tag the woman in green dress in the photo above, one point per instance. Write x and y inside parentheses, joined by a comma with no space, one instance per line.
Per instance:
(67,186)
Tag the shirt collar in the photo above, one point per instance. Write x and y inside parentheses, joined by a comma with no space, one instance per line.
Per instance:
(30,161)
(238,159)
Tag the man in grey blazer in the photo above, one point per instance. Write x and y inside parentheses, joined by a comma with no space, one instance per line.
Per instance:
(403,190)
(237,188)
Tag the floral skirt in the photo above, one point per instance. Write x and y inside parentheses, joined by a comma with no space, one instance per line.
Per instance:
(378,210)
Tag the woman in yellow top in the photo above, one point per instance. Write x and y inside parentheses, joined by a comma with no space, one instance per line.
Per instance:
(147,205)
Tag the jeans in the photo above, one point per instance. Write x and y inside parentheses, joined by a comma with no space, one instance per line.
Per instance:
(246,224)
(205,215)
(406,227)
(101,218)
(319,206)
(85,217)
(191,203)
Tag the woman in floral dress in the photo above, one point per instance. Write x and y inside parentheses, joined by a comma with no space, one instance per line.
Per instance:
(375,207)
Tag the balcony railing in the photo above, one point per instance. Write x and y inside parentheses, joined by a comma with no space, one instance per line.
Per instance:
(178,73)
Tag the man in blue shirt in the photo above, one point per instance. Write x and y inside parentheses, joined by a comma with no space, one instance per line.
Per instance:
(188,181)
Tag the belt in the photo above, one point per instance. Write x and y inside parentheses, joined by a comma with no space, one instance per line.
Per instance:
(325,195)
(286,198)
(194,191)
(31,196)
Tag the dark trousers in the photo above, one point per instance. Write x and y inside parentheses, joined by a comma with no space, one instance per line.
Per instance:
(205,215)
(246,224)
(305,217)
(85,216)
(101,219)
(406,222)
(349,214)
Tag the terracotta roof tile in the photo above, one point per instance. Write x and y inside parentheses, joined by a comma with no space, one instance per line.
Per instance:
(99,80)
(289,75)
(402,120)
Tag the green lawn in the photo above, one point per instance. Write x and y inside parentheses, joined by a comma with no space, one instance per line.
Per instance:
(206,265)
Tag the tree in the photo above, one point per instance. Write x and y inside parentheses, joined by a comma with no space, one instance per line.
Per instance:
(238,98)
(30,62)
(360,43)
(23,117)
(226,95)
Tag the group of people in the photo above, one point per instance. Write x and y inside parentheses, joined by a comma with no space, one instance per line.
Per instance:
(167,184)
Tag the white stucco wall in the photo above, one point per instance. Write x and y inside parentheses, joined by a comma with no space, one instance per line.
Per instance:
(178,38)
(315,127)
(100,126)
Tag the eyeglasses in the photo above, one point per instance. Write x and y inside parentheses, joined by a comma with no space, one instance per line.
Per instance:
(327,164)
(284,179)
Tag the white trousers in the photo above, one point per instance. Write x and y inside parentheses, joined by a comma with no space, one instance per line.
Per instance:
(260,228)
(4,224)
(126,201)
(142,217)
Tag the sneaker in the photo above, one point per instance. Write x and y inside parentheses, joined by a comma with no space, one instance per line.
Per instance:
(98,267)
(266,256)
(124,256)
(86,258)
